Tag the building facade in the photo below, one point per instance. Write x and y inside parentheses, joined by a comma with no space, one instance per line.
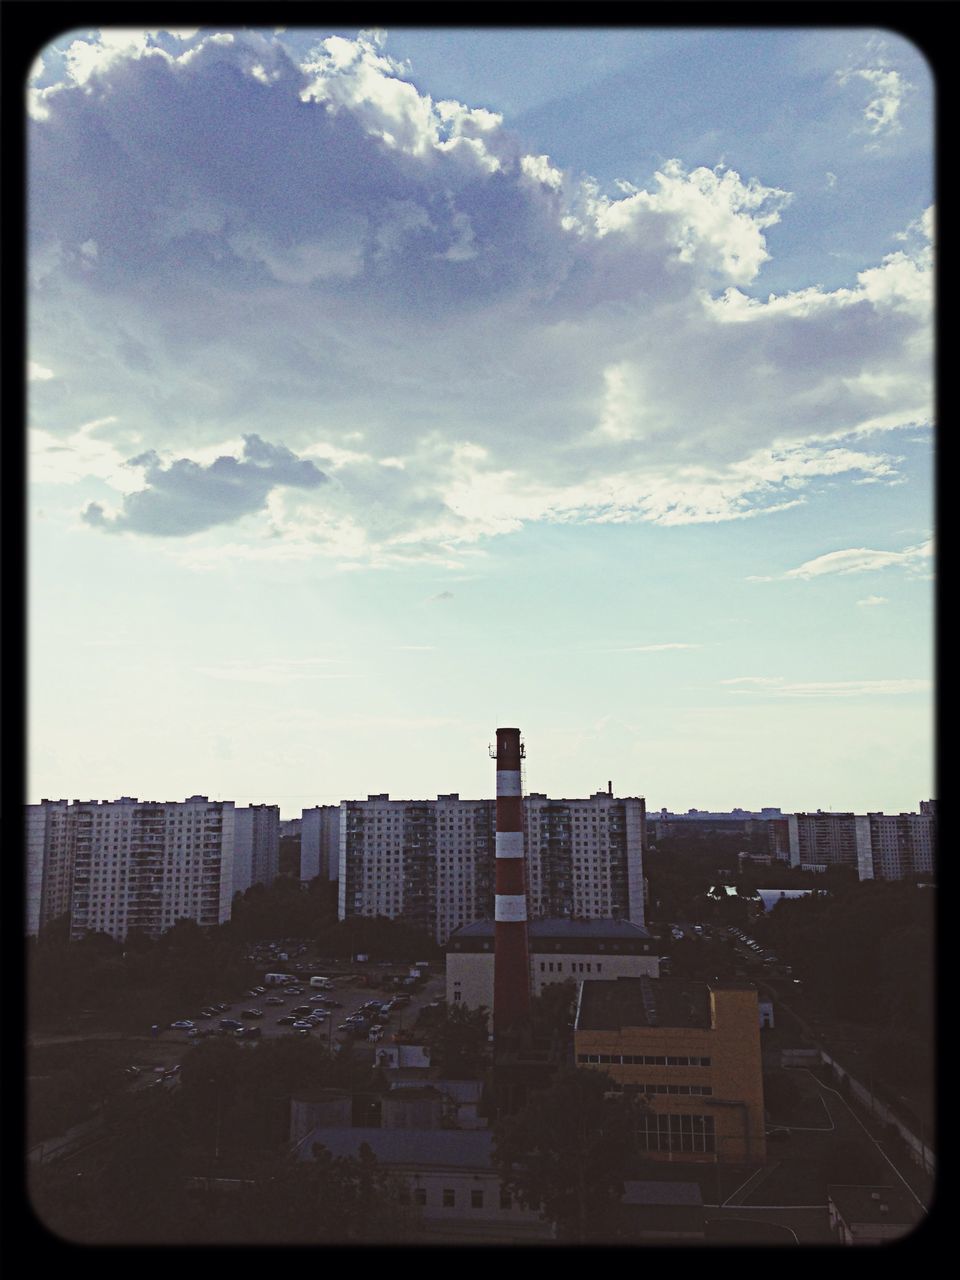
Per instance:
(256,857)
(432,862)
(902,844)
(879,846)
(127,864)
(690,1053)
(320,842)
(560,951)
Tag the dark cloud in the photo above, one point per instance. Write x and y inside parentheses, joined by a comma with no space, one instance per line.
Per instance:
(184,497)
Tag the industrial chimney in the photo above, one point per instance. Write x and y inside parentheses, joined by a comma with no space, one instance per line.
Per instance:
(511,967)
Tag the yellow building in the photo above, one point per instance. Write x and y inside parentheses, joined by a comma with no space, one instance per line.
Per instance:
(691,1051)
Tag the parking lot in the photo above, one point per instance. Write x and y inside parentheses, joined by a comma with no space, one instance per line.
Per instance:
(276,1005)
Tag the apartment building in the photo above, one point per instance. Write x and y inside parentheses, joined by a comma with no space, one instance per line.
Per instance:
(319,830)
(256,855)
(689,1052)
(902,844)
(127,864)
(431,862)
(880,846)
(818,840)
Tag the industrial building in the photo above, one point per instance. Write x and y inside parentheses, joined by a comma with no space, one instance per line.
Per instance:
(689,1053)
(559,950)
(127,864)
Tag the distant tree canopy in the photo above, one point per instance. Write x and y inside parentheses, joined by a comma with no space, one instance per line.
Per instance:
(865,951)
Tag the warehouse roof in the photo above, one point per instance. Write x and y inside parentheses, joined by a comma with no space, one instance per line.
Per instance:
(561,927)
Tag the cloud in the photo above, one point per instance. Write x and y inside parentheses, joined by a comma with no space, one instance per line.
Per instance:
(464,336)
(828,688)
(881,115)
(873,600)
(38,372)
(443,595)
(276,671)
(863,560)
(184,497)
(652,648)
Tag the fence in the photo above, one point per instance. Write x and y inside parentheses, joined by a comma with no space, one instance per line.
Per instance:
(916,1146)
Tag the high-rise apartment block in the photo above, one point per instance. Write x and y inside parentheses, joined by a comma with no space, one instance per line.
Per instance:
(127,864)
(880,846)
(432,862)
(320,842)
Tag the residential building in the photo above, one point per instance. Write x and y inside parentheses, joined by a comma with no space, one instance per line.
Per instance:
(256,857)
(127,864)
(689,1052)
(879,846)
(560,950)
(902,844)
(818,840)
(431,862)
(320,842)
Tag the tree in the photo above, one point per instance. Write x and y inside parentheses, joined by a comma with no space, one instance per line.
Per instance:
(551,1012)
(458,1040)
(565,1154)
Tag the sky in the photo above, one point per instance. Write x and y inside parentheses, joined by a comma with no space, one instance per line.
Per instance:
(386,387)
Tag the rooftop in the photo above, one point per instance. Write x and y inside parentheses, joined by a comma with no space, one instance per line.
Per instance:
(646,1002)
(454,1148)
(863,1205)
(561,927)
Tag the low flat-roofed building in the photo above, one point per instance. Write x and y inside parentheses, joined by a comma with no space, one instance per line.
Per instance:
(560,950)
(871,1215)
(449,1175)
(691,1052)
(662,1211)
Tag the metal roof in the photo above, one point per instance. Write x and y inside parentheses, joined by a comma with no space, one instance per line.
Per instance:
(562,927)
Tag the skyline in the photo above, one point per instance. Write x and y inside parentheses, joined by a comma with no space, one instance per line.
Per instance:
(386,388)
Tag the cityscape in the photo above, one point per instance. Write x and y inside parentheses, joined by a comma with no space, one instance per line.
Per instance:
(453,453)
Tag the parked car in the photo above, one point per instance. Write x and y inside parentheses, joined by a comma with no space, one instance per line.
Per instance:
(183,1025)
(274,1000)
(252,1013)
(247,1033)
(287,1020)
(230,1024)
(302,1026)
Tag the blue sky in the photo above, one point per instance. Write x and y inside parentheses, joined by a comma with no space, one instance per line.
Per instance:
(386,387)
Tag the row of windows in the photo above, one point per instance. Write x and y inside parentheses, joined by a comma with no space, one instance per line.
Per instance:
(702,1090)
(547,966)
(675,1133)
(643,1060)
(448,1198)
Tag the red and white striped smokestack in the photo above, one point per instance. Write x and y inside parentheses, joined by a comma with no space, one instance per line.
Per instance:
(511,967)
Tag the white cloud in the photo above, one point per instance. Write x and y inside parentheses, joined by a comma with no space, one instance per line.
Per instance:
(873,600)
(652,648)
(38,372)
(863,560)
(464,337)
(881,114)
(830,688)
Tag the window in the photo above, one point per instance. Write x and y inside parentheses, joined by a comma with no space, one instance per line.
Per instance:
(419,1195)
(449,1198)
(476,1199)
(505,1199)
